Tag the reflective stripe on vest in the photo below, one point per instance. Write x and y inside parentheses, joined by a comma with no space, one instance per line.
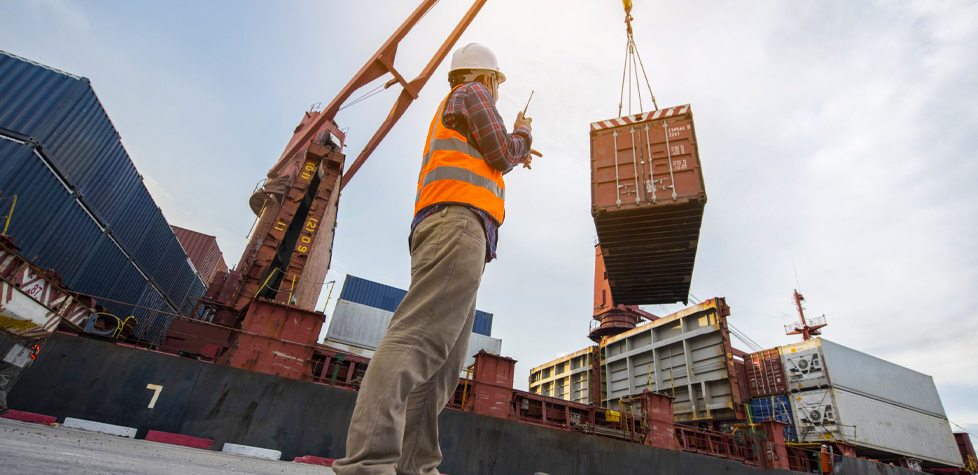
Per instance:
(451,144)
(454,171)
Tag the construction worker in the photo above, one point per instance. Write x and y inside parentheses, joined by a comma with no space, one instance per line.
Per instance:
(825,460)
(458,209)
(13,365)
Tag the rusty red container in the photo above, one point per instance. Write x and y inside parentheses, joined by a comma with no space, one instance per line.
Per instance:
(765,373)
(647,199)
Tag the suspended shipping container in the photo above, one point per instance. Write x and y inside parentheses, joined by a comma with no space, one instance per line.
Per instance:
(647,199)
(819,363)
(387,298)
(876,428)
(82,208)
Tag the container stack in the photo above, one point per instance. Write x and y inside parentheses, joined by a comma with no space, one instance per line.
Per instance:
(82,208)
(768,390)
(832,393)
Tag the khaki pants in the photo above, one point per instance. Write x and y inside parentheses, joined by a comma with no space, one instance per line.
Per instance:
(415,370)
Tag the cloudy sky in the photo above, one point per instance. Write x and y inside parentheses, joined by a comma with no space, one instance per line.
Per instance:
(837,139)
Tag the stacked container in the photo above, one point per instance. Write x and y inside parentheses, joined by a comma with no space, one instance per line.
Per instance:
(82,208)
(840,394)
(204,253)
(364,311)
(775,408)
(768,390)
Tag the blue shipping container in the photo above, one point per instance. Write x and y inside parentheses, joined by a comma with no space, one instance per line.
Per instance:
(777,408)
(82,208)
(385,297)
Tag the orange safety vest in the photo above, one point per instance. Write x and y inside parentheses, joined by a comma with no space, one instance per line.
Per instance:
(454,171)
(34,351)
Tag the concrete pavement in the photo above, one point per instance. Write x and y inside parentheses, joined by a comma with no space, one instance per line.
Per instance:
(38,449)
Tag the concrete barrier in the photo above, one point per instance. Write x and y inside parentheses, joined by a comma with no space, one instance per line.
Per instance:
(100,427)
(30,417)
(179,439)
(249,451)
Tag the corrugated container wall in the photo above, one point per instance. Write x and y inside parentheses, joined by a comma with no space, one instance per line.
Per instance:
(357,326)
(204,253)
(647,199)
(479,343)
(82,208)
(765,373)
(385,297)
(775,408)
(819,363)
(873,425)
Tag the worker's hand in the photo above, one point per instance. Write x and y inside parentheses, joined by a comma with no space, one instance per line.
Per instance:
(522,122)
(529,159)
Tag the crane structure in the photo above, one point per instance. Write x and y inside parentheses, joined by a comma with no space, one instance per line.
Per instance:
(807,328)
(265,307)
(611,318)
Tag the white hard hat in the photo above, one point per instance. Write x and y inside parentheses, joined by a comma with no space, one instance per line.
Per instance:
(476,56)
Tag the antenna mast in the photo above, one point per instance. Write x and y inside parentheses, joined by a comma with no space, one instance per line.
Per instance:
(807,329)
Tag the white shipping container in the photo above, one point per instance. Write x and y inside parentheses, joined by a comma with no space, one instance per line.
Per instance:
(875,427)
(478,343)
(358,325)
(358,328)
(819,363)
(345,348)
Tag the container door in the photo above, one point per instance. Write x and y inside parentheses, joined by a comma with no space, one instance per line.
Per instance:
(617,168)
(652,162)
(672,173)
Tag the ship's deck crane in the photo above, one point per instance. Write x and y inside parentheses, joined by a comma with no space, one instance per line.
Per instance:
(269,299)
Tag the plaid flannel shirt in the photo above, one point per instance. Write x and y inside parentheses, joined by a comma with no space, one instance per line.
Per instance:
(471,111)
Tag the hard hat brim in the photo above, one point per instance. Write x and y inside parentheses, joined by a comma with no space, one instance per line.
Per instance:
(499,74)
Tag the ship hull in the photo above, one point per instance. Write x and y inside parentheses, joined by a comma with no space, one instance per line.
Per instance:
(96,380)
